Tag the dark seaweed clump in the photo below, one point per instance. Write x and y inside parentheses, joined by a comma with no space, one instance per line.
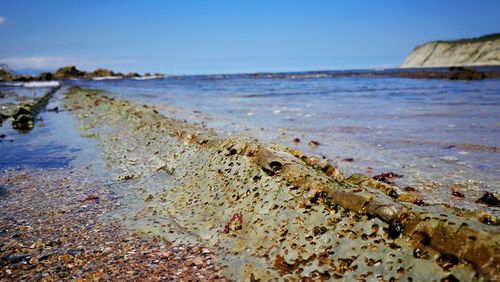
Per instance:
(395,229)
(489,199)
(387,177)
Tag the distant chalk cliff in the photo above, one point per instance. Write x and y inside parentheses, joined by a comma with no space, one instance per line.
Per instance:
(481,51)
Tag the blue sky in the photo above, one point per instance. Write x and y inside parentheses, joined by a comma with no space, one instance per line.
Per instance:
(196,37)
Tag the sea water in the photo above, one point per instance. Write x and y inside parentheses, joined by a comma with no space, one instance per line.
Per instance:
(440,135)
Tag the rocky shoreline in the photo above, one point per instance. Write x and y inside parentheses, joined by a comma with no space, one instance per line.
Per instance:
(272,211)
(451,73)
(71,72)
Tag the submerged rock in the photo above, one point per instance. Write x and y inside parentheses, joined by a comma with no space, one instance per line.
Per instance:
(23,119)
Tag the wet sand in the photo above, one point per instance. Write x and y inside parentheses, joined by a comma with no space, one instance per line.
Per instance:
(52,228)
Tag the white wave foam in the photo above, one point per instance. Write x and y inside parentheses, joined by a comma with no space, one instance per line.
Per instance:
(107,77)
(12,83)
(33,84)
(148,77)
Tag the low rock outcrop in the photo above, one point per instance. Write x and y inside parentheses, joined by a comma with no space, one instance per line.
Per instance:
(23,114)
(67,72)
(460,73)
(273,212)
(102,73)
(481,51)
(4,75)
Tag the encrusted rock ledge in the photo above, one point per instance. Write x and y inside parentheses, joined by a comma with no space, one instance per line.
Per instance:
(271,211)
(23,114)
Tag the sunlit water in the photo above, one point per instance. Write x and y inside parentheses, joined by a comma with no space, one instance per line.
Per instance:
(439,134)
(54,142)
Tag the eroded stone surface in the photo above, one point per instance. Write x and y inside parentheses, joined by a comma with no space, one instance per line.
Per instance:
(298,217)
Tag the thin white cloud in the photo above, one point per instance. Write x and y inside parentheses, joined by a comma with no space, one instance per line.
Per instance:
(55,62)
(38,62)
(2,20)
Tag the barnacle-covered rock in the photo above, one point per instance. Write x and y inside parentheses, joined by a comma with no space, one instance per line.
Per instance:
(274,212)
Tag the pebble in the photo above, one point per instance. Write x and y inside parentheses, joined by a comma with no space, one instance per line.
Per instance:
(314,143)
(449,158)
(108,251)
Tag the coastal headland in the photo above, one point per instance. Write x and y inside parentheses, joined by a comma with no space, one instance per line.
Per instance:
(480,51)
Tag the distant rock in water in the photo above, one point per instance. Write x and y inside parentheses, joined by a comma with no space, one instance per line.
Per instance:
(102,73)
(45,76)
(68,72)
(481,51)
(461,73)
